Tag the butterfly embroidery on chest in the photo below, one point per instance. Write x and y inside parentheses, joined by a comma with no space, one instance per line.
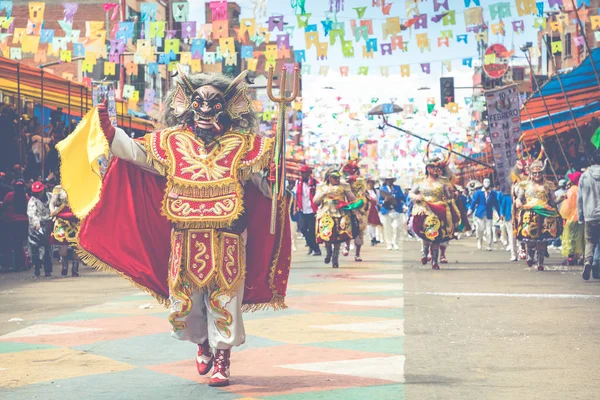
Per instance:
(196,162)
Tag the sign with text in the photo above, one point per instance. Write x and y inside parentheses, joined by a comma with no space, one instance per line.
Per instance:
(504,123)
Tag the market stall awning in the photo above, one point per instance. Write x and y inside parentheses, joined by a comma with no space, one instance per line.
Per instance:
(583,92)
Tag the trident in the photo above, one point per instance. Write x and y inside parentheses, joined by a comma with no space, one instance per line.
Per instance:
(278,189)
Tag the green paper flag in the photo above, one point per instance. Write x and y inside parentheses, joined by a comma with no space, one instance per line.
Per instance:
(596,138)
(360,11)
(430,108)
(303,20)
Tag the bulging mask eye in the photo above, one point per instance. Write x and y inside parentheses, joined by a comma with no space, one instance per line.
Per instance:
(195,104)
(218,106)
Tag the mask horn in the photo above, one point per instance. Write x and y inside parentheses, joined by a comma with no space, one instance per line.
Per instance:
(426,158)
(233,87)
(184,78)
(542,154)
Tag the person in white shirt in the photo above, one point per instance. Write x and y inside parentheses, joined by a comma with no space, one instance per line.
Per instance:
(38,211)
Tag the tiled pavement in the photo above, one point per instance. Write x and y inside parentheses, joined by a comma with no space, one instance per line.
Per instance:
(341,338)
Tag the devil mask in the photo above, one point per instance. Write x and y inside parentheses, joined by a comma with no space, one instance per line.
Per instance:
(210,104)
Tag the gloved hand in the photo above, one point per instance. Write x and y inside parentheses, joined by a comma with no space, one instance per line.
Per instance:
(105,123)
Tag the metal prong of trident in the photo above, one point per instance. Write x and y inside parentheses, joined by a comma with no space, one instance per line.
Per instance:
(278,189)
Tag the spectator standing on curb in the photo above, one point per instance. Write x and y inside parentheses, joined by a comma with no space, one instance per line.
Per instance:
(588,211)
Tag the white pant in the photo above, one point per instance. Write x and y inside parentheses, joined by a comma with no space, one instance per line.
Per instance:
(375,232)
(484,226)
(392,222)
(294,232)
(512,239)
(202,320)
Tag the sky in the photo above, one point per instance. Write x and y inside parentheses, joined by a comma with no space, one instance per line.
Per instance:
(374,85)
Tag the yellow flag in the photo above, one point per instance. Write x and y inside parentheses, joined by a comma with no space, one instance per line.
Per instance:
(79,167)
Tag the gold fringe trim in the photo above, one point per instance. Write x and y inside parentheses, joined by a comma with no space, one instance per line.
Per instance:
(246,171)
(89,259)
(277,303)
(204,190)
(157,165)
(199,223)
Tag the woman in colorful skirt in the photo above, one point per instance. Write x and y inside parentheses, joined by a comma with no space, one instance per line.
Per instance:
(334,222)
(573,237)
(538,219)
(435,217)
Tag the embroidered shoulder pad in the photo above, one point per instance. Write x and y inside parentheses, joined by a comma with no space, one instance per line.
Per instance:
(259,153)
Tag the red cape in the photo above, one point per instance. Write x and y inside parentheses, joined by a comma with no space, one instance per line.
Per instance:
(126,233)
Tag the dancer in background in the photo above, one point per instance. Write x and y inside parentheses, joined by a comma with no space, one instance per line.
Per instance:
(538,221)
(334,223)
(434,216)
(65,230)
(358,185)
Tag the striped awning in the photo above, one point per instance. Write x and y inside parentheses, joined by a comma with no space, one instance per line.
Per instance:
(583,93)
(58,92)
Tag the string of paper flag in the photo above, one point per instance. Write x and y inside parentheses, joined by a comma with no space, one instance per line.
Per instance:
(159,45)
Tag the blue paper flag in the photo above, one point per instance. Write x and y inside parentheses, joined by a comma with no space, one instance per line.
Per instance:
(300,55)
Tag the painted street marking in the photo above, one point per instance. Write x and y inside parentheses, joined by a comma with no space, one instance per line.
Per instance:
(365,368)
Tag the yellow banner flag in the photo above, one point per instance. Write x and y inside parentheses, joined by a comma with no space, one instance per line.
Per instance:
(79,167)
(252,63)
(109,68)
(557,47)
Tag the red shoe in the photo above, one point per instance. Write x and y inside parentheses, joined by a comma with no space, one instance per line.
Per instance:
(423,260)
(220,373)
(540,267)
(204,359)
(435,266)
(443,260)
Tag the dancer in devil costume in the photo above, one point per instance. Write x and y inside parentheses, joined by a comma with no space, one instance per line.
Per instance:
(65,230)
(358,185)
(538,220)
(182,214)
(334,222)
(434,216)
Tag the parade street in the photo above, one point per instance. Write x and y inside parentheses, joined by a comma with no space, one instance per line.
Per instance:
(386,328)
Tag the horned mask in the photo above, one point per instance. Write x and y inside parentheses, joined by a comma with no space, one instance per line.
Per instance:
(211,103)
